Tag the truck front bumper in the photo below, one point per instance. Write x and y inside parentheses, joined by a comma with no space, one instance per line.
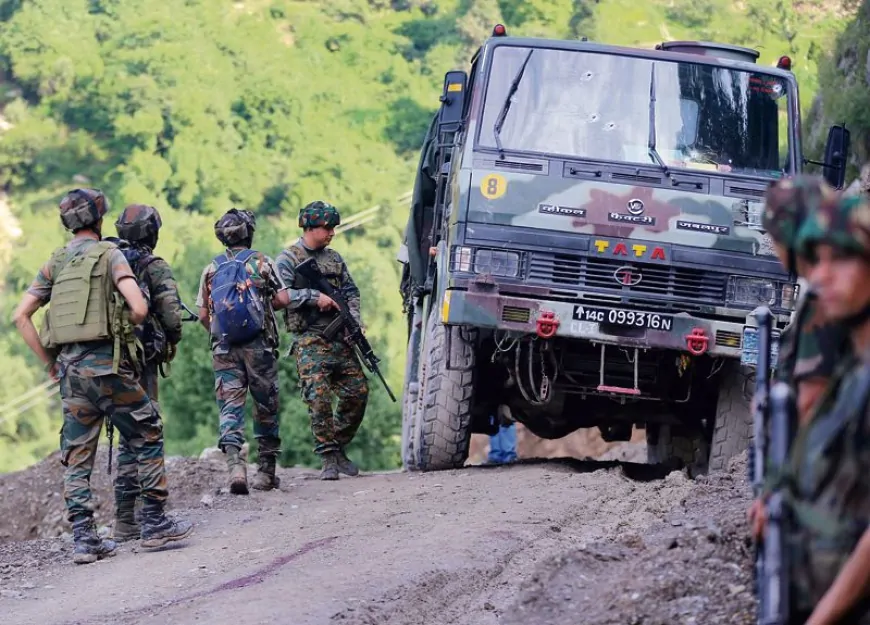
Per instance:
(681,332)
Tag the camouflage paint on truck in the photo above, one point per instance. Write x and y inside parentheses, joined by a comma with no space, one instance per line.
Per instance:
(564,202)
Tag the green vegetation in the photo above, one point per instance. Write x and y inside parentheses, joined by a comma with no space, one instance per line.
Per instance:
(196,106)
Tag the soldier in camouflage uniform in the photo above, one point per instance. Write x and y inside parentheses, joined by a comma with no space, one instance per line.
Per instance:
(810,346)
(139,226)
(253,365)
(96,381)
(325,368)
(825,484)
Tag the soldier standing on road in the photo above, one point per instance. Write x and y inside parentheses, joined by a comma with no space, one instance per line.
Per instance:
(87,353)
(324,367)
(810,346)
(138,226)
(252,364)
(825,484)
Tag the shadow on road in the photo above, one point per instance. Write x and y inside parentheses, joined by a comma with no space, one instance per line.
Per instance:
(637,471)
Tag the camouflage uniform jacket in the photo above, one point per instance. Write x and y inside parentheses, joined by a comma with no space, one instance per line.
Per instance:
(827,491)
(302,314)
(165,301)
(156,276)
(92,359)
(264,276)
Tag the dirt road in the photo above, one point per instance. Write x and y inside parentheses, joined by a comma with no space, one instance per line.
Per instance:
(540,543)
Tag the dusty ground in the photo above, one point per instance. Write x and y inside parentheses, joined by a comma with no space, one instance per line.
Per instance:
(537,542)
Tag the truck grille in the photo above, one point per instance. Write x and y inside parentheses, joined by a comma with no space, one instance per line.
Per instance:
(581,273)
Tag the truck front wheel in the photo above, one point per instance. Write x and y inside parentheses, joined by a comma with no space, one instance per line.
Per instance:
(442,423)
(732,430)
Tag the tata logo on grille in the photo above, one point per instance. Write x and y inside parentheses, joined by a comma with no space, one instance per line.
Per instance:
(638,250)
(635,207)
(627,276)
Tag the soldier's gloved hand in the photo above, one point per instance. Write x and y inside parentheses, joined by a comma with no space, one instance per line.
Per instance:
(171,351)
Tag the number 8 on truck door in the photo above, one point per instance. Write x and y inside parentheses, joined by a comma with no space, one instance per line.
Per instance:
(493,186)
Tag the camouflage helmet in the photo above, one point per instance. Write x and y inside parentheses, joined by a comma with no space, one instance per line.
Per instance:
(82,208)
(138,222)
(319,213)
(786,204)
(235,226)
(842,222)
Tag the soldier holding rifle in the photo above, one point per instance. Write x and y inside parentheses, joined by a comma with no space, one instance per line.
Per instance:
(818,572)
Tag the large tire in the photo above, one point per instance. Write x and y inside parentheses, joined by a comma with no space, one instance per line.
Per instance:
(442,422)
(410,397)
(665,447)
(732,430)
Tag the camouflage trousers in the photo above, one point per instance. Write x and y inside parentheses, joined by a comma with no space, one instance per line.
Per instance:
(244,367)
(126,480)
(87,401)
(326,368)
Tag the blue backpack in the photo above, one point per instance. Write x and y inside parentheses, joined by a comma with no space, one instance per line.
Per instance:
(238,314)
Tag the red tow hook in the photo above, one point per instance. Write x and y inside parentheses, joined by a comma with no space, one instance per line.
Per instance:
(547,324)
(697,342)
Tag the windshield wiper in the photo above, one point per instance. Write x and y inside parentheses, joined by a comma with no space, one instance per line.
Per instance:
(499,121)
(651,144)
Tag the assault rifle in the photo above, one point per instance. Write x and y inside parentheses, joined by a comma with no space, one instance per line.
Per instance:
(309,270)
(773,598)
(771,419)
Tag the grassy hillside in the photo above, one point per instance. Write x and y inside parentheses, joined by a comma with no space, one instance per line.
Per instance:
(198,105)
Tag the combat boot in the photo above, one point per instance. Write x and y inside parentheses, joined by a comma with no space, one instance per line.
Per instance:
(158,529)
(330,466)
(344,464)
(265,479)
(88,546)
(126,526)
(238,471)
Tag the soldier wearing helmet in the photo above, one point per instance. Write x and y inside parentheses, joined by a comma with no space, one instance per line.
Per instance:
(251,365)
(138,229)
(825,485)
(810,346)
(90,356)
(325,368)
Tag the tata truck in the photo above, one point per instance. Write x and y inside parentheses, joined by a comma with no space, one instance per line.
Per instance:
(585,246)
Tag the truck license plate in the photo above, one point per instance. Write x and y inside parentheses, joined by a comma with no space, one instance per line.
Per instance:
(616,317)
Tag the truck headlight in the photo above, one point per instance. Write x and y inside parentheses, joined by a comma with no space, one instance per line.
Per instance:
(751,291)
(462,257)
(493,262)
(497,263)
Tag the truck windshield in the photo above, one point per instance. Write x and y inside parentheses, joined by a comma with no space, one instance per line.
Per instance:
(597,106)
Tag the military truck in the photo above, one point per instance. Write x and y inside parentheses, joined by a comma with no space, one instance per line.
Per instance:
(585,249)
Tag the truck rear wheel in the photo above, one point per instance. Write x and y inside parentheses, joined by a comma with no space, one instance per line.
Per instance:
(665,445)
(442,422)
(732,430)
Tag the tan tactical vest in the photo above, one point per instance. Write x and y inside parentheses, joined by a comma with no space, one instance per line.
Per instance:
(305,317)
(85,305)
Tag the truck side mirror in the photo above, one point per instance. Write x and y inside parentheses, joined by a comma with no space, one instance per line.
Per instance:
(452,100)
(836,155)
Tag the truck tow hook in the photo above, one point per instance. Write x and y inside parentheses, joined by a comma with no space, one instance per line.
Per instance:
(547,324)
(697,342)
